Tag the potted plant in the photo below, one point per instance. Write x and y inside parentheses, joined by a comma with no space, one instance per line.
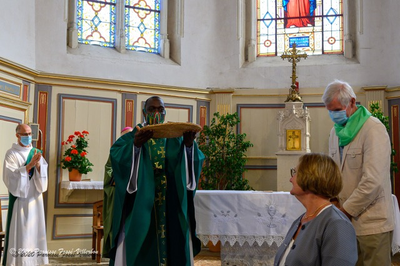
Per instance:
(225,154)
(377,112)
(74,158)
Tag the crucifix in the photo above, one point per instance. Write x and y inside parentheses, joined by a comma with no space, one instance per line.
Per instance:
(293,57)
(293,141)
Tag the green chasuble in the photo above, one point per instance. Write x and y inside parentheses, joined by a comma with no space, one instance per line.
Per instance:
(159,216)
(108,204)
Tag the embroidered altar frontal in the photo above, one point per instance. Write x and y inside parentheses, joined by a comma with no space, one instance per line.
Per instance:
(251,225)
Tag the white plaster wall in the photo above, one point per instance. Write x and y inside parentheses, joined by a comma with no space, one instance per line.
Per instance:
(210,50)
(17,34)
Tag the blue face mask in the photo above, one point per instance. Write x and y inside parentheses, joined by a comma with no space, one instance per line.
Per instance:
(26,140)
(339,117)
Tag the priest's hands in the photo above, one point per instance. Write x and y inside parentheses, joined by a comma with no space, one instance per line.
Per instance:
(142,137)
(35,161)
(188,138)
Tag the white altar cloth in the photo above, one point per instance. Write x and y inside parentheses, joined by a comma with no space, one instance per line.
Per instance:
(245,216)
(396,231)
(70,185)
(237,217)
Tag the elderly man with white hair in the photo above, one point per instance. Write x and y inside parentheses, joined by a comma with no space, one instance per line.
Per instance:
(360,145)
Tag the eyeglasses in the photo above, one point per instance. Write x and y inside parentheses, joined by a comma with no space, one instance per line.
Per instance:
(25,134)
(293,172)
(153,109)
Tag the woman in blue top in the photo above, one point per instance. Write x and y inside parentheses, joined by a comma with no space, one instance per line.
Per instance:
(323,235)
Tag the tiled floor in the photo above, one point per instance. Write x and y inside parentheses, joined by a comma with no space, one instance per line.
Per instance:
(396,260)
(205,258)
(63,261)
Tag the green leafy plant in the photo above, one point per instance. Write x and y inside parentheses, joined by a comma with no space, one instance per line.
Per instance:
(75,154)
(225,154)
(377,112)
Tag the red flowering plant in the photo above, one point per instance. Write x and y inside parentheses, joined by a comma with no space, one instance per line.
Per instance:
(75,153)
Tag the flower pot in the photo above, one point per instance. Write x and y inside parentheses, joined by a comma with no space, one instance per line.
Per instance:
(74,175)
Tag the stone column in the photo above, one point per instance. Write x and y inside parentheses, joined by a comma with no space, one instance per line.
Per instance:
(375,94)
(222,101)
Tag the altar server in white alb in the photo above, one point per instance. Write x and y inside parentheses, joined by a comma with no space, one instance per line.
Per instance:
(25,175)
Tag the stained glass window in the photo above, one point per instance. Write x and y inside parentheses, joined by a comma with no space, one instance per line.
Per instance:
(316,26)
(96,22)
(142,25)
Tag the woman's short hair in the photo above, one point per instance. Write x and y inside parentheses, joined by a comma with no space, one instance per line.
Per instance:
(341,89)
(319,174)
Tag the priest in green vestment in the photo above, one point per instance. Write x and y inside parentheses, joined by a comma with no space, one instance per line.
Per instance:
(108,202)
(155,182)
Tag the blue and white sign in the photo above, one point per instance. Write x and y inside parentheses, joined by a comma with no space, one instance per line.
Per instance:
(10,88)
(303,41)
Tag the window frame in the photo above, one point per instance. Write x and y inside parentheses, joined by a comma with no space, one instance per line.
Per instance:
(247,35)
(164,51)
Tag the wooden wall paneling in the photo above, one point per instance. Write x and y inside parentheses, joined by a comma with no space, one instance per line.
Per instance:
(67,226)
(96,115)
(129,102)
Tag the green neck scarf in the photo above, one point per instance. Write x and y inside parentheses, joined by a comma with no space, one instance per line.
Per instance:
(347,132)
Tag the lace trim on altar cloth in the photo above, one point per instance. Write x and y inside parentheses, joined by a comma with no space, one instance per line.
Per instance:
(247,255)
(395,249)
(260,240)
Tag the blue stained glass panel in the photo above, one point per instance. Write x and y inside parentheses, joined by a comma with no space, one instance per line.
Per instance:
(315,25)
(96,22)
(142,25)
(300,41)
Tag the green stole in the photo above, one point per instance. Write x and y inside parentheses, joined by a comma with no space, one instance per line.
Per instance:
(157,157)
(355,122)
(154,223)
(108,204)
(11,201)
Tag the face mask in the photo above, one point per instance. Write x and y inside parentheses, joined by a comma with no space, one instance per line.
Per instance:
(26,140)
(339,117)
(154,118)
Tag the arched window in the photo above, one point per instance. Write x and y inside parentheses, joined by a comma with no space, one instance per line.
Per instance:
(96,22)
(142,25)
(316,26)
(125,25)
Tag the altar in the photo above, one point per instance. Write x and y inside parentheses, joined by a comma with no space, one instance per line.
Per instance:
(250,225)
(67,187)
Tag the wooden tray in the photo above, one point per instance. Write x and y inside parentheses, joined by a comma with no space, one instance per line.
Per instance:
(171,129)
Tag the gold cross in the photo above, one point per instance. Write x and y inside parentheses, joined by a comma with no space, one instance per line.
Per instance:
(293,57)
(293,137)
(160,198)
(162,231)
(157,166)
(164,180)
(162,152)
